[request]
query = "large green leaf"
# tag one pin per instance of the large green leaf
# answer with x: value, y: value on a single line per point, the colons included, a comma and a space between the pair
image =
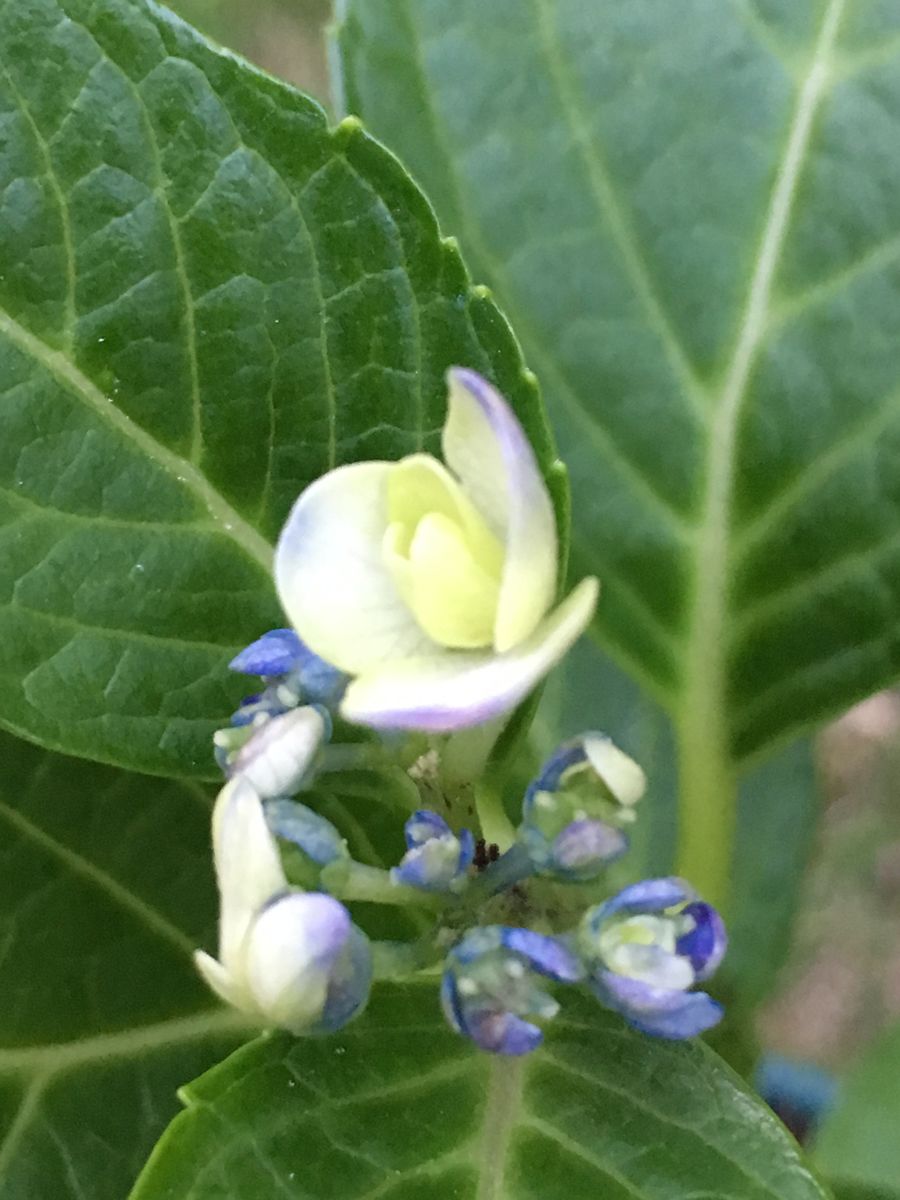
x: 398, y: 1106
x: 858, y: 1143
x: 207, y: 298
x: 105, y: 889
x: 691, y: 212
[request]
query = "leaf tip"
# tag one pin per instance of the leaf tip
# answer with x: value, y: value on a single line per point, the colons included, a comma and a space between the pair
x: 347, y: 129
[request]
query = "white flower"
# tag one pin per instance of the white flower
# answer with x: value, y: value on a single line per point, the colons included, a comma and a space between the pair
x: 431, y: 585
x: 288, y: 959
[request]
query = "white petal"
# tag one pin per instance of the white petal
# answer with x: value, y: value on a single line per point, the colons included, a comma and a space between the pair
x: 461, y: 689
x: 219, y: 980
x: 621, y: 774
x: 278, y: 756
x: 248, y: 868
x: 332, y: 576
x: 486, y: 447
x: 290, y: 953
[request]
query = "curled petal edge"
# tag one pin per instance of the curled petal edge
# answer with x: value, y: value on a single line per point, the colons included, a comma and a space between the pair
x: 455, y: 691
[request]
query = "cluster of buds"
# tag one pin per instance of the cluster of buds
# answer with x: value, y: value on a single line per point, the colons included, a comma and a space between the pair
x: 291, y: 956
x: 421, y: 598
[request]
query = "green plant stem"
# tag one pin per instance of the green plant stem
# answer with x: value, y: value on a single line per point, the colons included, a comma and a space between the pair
x: 399, y: 960
x: 357, y: 881
x: 496, y: 827
x: 707, y: 816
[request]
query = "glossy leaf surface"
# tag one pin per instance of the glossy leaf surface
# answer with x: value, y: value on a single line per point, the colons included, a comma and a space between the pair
x: 207, y: 299
x: 398, y: 1106
x: 105, y: 890
x: 691, y: 214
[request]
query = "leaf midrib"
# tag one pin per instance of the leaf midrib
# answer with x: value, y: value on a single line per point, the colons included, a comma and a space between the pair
x: 227, y: 519
x: 51, y: 1059
x: 706, y: 764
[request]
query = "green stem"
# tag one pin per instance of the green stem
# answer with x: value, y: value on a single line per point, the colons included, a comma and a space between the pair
x: 399, y: 960
x: 496, y: 827
x: 707, y: 814
x: 357, y: 881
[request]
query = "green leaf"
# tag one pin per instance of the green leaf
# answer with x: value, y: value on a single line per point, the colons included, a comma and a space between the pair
x: 398, y: 1106
x: 208, y: 298
x: 850, y: 1191
x: 858, y: 1143
x: 105, y: 889
x: 691, y: 213
x: 778, y: 809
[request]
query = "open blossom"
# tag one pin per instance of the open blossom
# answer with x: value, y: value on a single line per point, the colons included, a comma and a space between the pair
x: 288, y: 959
x: 646, y: 947
x: 432, y: 585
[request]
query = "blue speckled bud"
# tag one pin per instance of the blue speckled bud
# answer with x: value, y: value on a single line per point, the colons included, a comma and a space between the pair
x: 437, y: 859
x: 646, y: 948
x: 491, y: 983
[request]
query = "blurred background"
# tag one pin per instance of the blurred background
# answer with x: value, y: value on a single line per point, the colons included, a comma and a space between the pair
x: 841, y: 984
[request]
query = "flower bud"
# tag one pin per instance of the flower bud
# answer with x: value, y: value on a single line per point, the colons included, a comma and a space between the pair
x: 436, y: 859
x: 289, y: 959
x: 279, y: 756
x: 316, y: 837
x: 491, y: 983
x: 646, y: 947
x: 574, y: 811
x: 293, y: 673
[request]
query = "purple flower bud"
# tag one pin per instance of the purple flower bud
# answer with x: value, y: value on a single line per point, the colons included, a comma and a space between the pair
x: 574, y: 811
x: 311, y: 833
x: 490, y: 985
x: 437, y: 859
x: 291, y: 669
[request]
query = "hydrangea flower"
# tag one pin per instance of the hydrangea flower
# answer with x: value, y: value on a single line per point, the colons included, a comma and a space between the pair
x: 491, y: 983
x: 431, y: 584
x: 574, y: 811
x: 646, y: 947
x: 275, y: 755
x: 436, y: 859
x: 291, y: 672
x: 289, y: 959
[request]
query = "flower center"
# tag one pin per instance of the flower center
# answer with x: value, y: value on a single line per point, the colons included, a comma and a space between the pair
x: 445, y: 561
x: 644, y: 948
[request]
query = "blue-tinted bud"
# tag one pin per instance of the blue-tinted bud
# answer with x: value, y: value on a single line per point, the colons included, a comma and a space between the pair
x: 646, y: 948
x: 437, y: 859
x: 491, y: 983
x: 291, y: 668
x: 288, y: 959
x: 349, y: 983
x: 314, y: 835
x: 575, y: 810
x: 277, y: 652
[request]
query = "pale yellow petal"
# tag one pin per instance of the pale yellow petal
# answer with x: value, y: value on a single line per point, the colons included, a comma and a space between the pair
x: 332, y: 576
x: 485, y: 446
